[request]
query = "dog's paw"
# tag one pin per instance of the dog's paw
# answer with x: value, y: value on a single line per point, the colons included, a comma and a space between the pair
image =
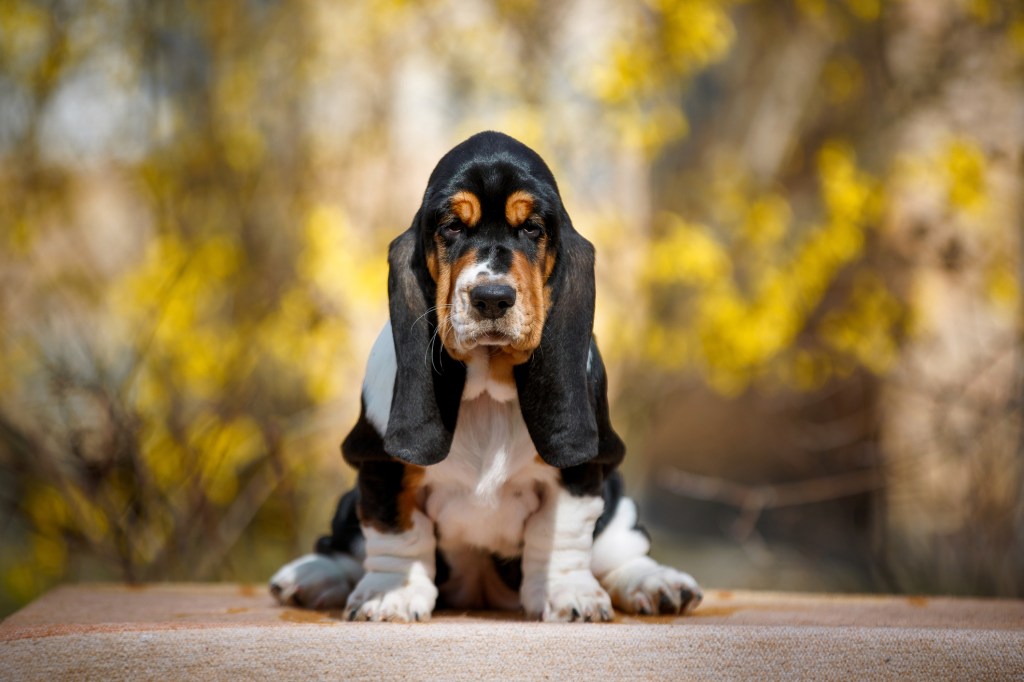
x: 575, y: 596
x: 645, y: 587
x: 316, y: 581
x: 392, y: 597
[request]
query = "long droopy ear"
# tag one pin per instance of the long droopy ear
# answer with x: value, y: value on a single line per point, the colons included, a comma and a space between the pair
x: 556, y: 399
x: 428, y: 382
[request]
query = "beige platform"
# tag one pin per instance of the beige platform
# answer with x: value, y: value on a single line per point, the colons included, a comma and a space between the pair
x: 107, y: 632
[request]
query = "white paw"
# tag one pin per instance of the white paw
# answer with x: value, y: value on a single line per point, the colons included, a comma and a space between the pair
x: 316, y: 581
x: 392, y: 597
x: 644, y: 586
x: 569, y: 597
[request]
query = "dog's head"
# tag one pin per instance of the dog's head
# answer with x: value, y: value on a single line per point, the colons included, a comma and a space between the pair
x: 492, y: 260
x: 490, y: 226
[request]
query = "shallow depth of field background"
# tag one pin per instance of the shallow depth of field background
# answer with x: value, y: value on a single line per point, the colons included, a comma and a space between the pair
x: 808, y: 222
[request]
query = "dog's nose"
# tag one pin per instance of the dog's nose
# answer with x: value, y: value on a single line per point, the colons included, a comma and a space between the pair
x: 492, y: 300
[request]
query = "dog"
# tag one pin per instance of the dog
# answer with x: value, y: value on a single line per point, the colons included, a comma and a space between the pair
x: 485, y: 454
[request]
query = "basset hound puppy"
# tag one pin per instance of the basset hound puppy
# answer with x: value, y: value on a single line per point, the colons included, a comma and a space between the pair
x: 486, y: 459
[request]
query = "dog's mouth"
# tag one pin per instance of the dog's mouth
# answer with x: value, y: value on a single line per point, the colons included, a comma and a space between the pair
x: 493, y: 339
x: 490, y: 339
x: 469, y: 329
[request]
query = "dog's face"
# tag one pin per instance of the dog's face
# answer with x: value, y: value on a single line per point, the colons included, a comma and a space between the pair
x: 492, y: 261
x: 489, y: 236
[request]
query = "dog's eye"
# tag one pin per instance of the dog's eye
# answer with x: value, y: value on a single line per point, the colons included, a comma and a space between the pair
x: 452, y: 229
x: 530, y: 230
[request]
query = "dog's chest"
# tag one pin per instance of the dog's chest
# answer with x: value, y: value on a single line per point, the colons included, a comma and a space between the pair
x: 482, y: 494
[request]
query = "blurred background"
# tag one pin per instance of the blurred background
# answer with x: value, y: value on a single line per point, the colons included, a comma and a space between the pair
x: 808, y: 222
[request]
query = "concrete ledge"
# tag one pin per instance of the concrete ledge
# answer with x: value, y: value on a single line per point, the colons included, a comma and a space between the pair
x: 187, y: 631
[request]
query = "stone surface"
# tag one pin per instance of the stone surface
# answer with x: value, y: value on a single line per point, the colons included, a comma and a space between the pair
x: 188, y: 631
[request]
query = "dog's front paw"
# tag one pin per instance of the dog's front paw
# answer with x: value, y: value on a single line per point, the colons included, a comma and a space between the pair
x: 643, y: 586
x: 570, y: 597
x: 316, y: 581
x: 392, y: 597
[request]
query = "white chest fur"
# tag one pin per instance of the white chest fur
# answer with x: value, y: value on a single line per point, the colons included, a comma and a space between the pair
x: 491, y: 482
x: 482, y: 494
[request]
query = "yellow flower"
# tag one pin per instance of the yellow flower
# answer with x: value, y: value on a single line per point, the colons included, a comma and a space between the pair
x: 964, y: 166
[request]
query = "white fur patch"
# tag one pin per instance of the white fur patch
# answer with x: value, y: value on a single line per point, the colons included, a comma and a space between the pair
x: 478, y: 273
x: 478, y: 375
x: 316, y: 581
x: 467, y: 327
x: 620, y: 541
x: 399, y: 580
x: 641, y: 585
x: 379, y: 382
x: 635, y: 582
x: 479, y: 380
x: 483, y: 492
x: 557, y: 582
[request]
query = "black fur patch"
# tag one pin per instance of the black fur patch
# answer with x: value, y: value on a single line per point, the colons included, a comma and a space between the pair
x: 555, y: 395
x: 422, y: 421
x: 380, y: 484
x: 510, y: 570
x: 363, y: 443
x: 345, y: 530
x: 612, y: 491
x: 500, y: 259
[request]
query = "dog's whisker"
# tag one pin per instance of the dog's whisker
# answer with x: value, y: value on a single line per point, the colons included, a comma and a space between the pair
x: 440, y: 332
x: 429, y: 310
x: 434, y: 338
x: 428, y: 353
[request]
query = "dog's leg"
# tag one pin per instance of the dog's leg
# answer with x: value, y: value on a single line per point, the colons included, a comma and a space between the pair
x: 399, y: 580
x: 324, y: 579
x: 316, y: 581
x: 558, y: 540
x: 400, y: 547
x: 637, y: 583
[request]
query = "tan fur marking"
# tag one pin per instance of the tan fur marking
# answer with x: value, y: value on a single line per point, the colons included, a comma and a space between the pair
x: 530, y: 285
x: 513, y: 356
x: 518, y: 207
x: 549, y: 266
x: 412, y: 480
x: 549, y: 261
x: 466, y: 206
x: 408, y: 500
x: 432, y: 264
x: 440, y: 272
x: 446, y: 278
x: 501, y: 364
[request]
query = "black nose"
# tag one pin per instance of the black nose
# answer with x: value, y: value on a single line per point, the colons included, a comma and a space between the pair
x: 492, y: 300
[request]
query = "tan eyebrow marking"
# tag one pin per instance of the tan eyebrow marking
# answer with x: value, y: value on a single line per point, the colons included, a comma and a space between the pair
x: 518, y: 207
x: 466, y: 206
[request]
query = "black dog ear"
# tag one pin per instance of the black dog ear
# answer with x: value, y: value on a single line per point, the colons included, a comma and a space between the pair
x: 610, y: 448
x: 428, y: 382
x: 557, y: 400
